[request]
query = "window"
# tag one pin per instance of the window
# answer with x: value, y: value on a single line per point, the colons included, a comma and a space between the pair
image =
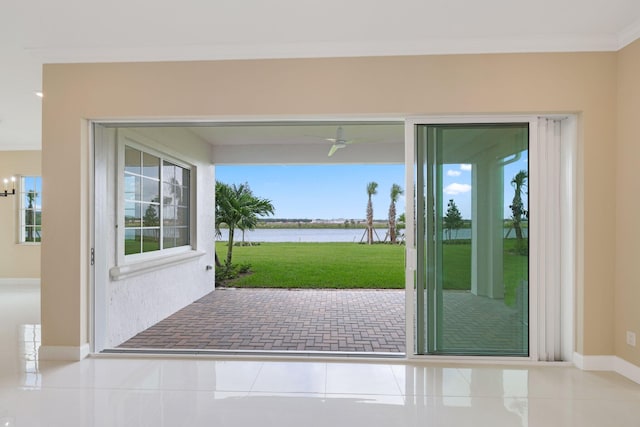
x: 156, y: 202
x: 30, y: 209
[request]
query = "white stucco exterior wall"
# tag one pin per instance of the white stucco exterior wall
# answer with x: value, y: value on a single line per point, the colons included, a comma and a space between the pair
x: 132, y: 304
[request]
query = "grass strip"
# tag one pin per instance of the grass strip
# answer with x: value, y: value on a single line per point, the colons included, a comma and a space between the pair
x: 358, y: 266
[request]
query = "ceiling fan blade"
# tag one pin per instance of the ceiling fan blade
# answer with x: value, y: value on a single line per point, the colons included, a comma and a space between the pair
x: 333, y: 149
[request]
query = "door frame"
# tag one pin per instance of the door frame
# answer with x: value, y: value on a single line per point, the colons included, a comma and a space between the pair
x: 566, y: 240
x: 555, y: 176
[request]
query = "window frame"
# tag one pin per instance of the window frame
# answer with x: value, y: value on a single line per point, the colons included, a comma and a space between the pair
x: 121, y: 258
x: 22, y: 209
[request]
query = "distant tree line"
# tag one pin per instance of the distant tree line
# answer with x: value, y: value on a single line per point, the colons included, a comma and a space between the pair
x: 305, y: 220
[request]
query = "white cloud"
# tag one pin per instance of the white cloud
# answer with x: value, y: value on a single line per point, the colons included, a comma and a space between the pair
x: 456, y: 188
x: 451, y: 172
x: 465, y: 167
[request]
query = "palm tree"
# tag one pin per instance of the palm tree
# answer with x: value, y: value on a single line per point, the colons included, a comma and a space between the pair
x: 237, y: 207
x: 401, y: 225
x: 30, y: 215
x: 519, y: 182
x: 371, y: 190
x: 396, y: 191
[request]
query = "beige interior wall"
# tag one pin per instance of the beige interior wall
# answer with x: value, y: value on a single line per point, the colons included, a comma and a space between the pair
x: 17, y: 261
x: 627, y: 212
x: 584, y: 83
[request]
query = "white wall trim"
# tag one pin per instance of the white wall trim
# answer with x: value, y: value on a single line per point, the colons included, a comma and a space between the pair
x: 56, y: 352
x: 578, y: 360
x: 607, y: 363
x: 593, y: 363
x: 627, y: 369
x: 120, y: 272
x: 629, y: 34
x: 441, y: 46
x: 20, y: 281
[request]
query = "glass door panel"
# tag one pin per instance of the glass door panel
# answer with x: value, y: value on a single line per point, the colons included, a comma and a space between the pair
x: 472, y: 239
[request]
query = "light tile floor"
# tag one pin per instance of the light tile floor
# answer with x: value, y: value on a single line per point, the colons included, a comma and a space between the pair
x: 162, y: 392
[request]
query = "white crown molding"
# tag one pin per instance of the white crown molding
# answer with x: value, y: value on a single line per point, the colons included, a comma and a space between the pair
x: 629, y: 34
x: 445, y: 46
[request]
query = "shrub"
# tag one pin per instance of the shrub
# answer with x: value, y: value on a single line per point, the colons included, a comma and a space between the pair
x: 230, y: 272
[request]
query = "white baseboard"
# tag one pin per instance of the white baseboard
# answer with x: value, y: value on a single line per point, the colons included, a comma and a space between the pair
x: 607, y: 363
x: 593, y: 363
x: 627, y: 369
x: 20, y: 281
x: 70, y: 353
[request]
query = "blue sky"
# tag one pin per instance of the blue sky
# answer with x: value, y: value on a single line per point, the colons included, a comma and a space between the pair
x: 457, y: 185
x: 319, y: 191
x: 339, y: 191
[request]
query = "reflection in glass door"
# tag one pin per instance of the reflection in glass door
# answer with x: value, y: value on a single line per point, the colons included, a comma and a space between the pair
x: 472, y: 239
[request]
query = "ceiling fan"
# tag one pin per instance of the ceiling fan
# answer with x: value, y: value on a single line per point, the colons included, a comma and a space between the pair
x: 339, y: 141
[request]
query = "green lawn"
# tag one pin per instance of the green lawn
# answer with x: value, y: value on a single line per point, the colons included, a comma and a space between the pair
x: 320, y: 265
x: 457, y: 268
x: 350, y: 265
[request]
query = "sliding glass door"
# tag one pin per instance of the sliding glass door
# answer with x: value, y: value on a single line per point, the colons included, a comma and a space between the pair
x: 471, y: 216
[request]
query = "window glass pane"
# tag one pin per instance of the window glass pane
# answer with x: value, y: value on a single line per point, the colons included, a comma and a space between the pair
x: 38, y: 233
x: 132, y: 161
x: 132, y: 187
x: 185, y: 177
x: 169, y: 240
x: 38, y: 186
x: 168, y: 172
x: 168, y: 194
x: 170, y: 214
x: 29, y: 234
x: 150, y: 240
x: 150, y: 166
x: 130, y: 217
x: 180, y: 195
x: 151, y: 215
x: 132, y: 241
x: 183, y: 217
x: 183, y: 237
x: 132, y: 214
x: 150, y: 190
x: 147, y: 202
x: 30, y: 208
x: 472, y: 284
x: 30, y: 199
x: 29, y: 184
x: 185, y: 197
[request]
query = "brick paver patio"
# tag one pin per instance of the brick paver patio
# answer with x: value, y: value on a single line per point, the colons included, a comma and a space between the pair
x: 276, y: 319
x: 362, y: 321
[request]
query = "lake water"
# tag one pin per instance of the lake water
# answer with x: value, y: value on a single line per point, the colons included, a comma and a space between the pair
x: 302, y: 235
x: 326, y: 234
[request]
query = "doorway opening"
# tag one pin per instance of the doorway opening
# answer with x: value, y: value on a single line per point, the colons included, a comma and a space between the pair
x: 342, y: 312
x: 174, y: 229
